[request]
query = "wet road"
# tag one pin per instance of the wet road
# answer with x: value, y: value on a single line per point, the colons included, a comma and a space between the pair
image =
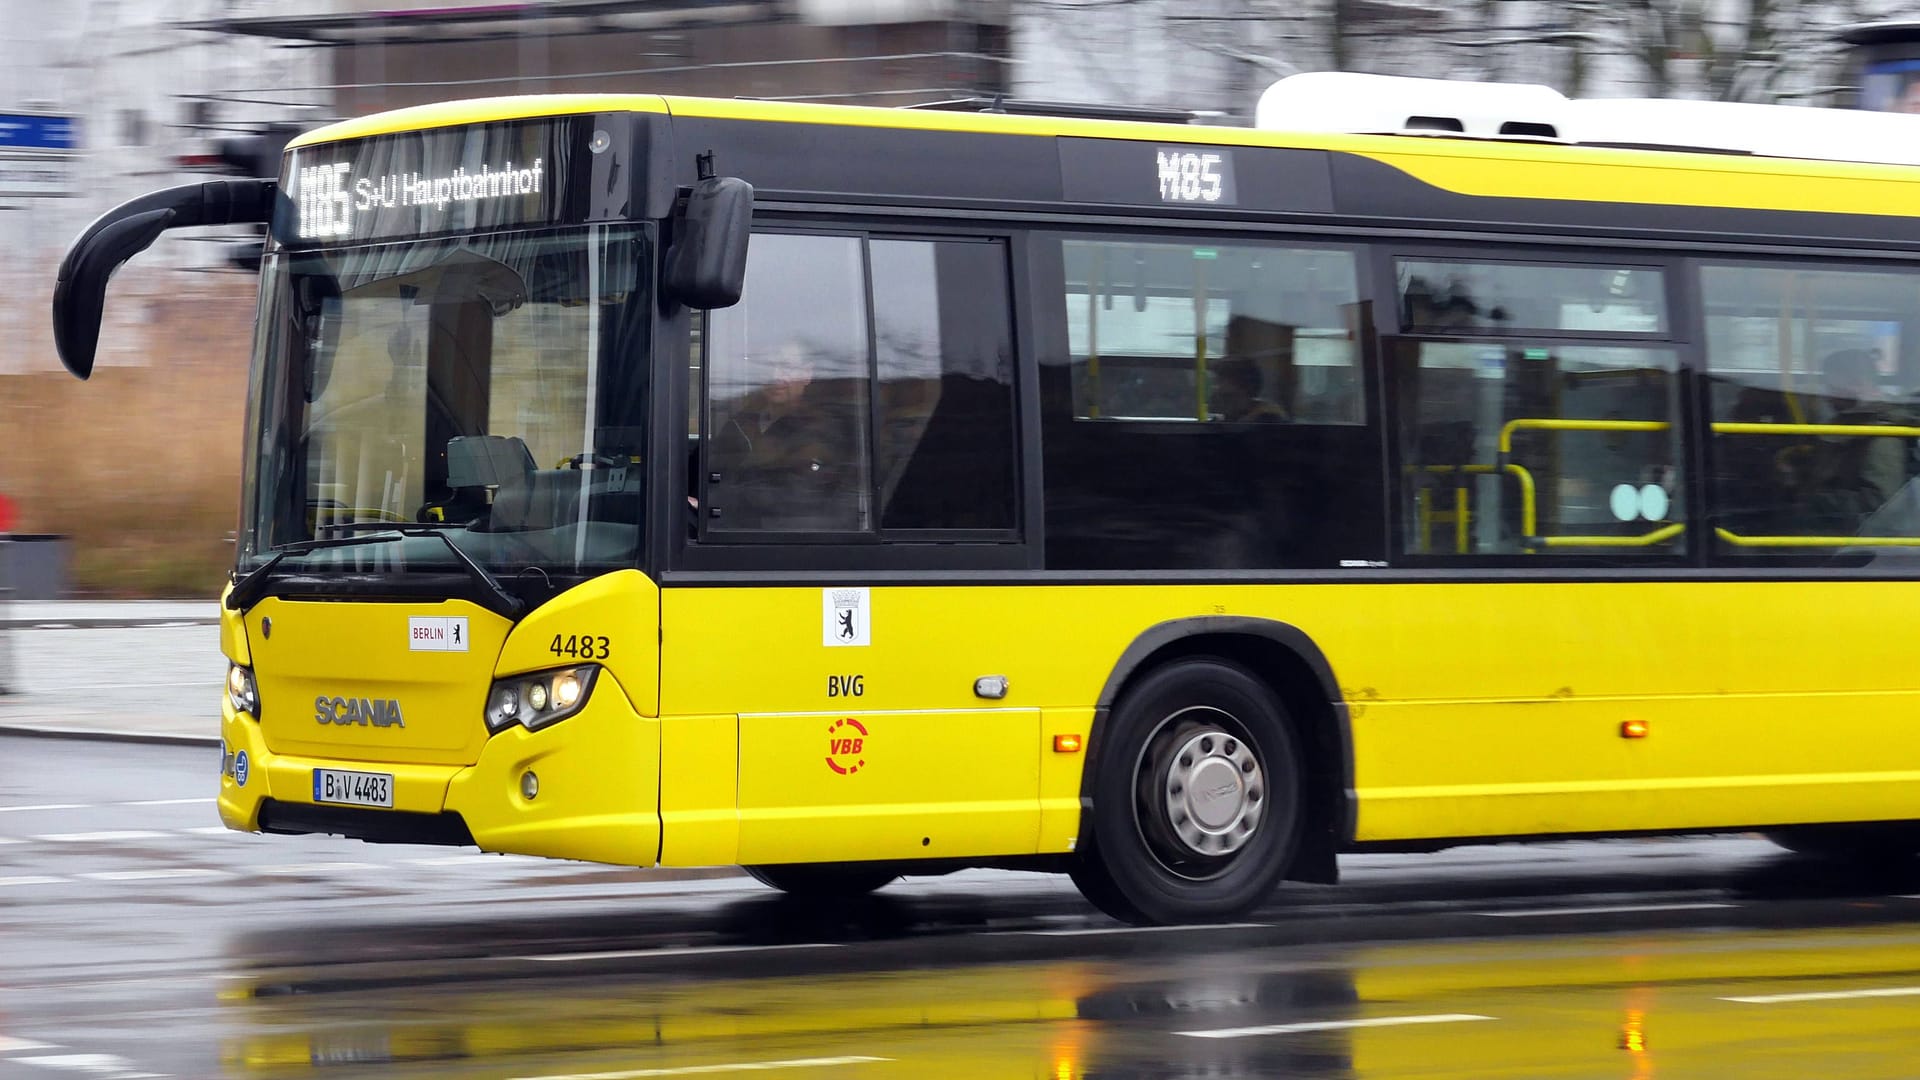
x: 138, y: 939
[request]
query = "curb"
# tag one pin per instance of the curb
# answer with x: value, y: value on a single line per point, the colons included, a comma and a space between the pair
x: 105, y: 735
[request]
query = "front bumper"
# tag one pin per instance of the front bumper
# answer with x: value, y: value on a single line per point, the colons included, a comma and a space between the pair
x: 599, y: 778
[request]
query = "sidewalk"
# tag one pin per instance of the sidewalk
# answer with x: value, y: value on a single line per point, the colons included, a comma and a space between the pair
x: 32, y: 614
x: 136, y: 670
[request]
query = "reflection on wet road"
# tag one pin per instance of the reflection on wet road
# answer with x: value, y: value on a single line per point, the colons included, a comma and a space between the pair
x: 137, y: 942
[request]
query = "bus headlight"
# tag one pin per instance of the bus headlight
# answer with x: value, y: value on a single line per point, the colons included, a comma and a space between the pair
x: 241, y: 691
x: 539, y: 698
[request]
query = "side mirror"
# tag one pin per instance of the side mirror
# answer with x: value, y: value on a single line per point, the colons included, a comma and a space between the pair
x: 707, y: 265
x: 80, y: 289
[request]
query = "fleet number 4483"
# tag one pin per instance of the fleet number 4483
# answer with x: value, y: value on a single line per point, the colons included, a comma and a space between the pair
x: 582, y: 646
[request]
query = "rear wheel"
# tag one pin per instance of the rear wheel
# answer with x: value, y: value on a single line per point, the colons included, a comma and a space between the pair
x: 822, y: 881
x: 1197, y: 803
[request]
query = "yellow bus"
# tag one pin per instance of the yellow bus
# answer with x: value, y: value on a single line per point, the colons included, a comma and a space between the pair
x: 845, y: 493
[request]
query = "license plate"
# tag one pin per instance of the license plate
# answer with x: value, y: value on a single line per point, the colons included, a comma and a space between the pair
x: 353, y: 788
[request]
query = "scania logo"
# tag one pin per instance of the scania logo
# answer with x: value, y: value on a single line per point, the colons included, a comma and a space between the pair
x: 362, y: 711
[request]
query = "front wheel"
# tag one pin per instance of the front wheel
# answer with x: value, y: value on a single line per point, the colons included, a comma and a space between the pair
x: 822, y: 881
x: 1197, y: 799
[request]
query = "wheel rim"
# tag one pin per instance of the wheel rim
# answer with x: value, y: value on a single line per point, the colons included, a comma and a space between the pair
x: 1200, y: 791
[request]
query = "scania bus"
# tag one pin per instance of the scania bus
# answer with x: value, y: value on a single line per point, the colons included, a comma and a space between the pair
x: 845, y: 493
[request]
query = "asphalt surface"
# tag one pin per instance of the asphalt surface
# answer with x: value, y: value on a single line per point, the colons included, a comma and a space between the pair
x: 138, y: 939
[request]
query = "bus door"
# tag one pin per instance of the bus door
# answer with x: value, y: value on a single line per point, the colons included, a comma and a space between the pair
x: 867, y: 724
x: 856, y: 419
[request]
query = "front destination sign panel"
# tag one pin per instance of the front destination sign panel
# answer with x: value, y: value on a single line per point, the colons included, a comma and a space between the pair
x: 391, y: 187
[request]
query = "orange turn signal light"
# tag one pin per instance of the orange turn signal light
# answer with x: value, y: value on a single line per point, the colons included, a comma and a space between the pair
x: 1066, y: 744
x: 1633, y: 729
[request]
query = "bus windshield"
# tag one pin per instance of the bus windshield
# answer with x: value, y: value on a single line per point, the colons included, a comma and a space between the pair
x: 491, y: 388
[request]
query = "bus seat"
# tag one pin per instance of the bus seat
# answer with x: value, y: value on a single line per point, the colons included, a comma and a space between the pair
x: 490, y: 461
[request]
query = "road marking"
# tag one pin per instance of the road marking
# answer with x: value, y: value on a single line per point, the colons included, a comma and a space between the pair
x: 43, y: 806
x: 31, y: 879
x: 1137, y: 929
x: 168, y: 802
x: 14, y: 1046
x: 1618, y: 909
x: 692, y: 950
x: 214, y: 830
x: 109, y: 1065
x: 100, y: 837
x: 11, y: 840
x: 699, y: 1070
x: 1828, y: 995
x: 155, y: 875
x: 1332, y: 1025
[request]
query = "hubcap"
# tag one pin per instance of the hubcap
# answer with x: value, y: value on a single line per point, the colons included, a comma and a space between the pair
x: 1213, y: 792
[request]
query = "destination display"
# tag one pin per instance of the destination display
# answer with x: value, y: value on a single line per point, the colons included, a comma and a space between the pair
x: 1195, y: 176
x: 1189, y: 175
x: 482, y: 177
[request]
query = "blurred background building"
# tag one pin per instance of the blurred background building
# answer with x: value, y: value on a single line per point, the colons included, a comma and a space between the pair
x: 112, y: 97
x: 103, y: 99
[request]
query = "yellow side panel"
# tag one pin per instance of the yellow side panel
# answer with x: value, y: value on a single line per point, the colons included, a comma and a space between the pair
x: 1486, y: 709
x: 1496, y: 709
x: 865, y: 785
x: 1060, y: 777
x: 700, y: 791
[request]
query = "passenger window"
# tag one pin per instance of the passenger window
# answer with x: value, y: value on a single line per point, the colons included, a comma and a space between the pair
x: 816, y: 424
x: 787, y: 379
x: 1192, y: 397
x: 1509, y: 449
x: 1815, y: 422
x: 943, y: 453
x: 1219, y: 334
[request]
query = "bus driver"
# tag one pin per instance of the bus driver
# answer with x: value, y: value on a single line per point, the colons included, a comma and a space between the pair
x: 786, y: 459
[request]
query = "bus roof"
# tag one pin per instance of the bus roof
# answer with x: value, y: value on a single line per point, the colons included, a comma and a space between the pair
x: 1334, y: 101
x: 1602, y: 163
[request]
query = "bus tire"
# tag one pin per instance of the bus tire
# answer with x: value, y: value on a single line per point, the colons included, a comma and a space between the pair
x: 822, y: 881
x: 1197, y: 798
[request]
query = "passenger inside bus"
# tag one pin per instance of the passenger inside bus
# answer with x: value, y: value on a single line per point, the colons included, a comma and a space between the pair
x: 1849, y: 477
x: 1236, y: 394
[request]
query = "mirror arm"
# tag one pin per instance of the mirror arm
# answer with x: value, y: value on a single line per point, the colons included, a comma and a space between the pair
x: 80, y: 288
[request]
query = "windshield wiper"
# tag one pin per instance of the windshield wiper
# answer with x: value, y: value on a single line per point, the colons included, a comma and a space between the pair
x: 411, y: 528
x: 249, y: 590
x: 509, y: 604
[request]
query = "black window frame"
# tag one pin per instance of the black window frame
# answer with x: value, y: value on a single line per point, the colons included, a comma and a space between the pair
x: 1682, y: 337
x: 1785, y: 563
x: 1046, y: 294
x: 874, y: 549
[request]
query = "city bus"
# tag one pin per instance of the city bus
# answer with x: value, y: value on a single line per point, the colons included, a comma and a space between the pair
x: 847, y: 493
